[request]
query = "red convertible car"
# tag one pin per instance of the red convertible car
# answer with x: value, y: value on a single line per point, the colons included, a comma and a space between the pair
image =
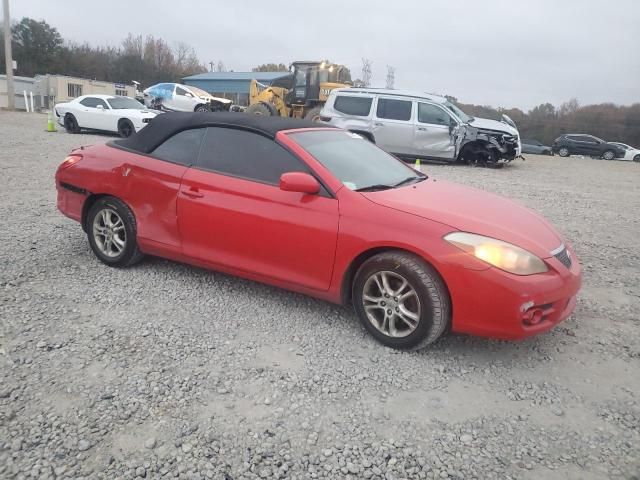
x: 323, y: 212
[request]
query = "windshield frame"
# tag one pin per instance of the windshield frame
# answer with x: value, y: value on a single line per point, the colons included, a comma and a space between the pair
x: 117, y: 97
x: 457, y: 111
x: 198, y: 92
x: 333, y: 178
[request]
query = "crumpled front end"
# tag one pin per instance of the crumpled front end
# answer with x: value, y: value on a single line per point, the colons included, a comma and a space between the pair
x: 488, y: 147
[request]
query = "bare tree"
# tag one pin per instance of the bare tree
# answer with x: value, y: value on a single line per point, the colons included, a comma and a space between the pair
x: 391, y: 76
x: 366, y: 72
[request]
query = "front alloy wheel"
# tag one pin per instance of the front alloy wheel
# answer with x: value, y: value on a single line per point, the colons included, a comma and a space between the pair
x: 563, y: 152
x: 401, y: 300
x: 608, y: 155
x: 391, y: 304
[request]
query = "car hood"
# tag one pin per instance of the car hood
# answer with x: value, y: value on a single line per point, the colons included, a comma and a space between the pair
x: 475, y: 211
x: 488, y: 124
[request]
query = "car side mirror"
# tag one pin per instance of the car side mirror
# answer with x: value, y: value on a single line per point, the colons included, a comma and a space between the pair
x: 188, y: 95
x: 299, y: 182
x: 99, y: 107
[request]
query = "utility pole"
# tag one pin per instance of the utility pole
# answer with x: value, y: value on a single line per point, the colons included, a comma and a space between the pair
x: 211, y: 65
x: 11, y: 97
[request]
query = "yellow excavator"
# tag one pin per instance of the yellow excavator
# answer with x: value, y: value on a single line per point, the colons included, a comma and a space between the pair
x: 299, y: 94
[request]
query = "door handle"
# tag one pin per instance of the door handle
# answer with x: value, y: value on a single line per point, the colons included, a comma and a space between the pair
x: 422, y: 129
x: 192, y: 193
x: 379, y: 124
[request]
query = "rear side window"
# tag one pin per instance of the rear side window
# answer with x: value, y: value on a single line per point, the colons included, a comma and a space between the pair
x: 93, y: 102
x: 243, y: 154
x: 360, y: 106
x: 432, y: 114
x: 181, y: 148
x: 393, y: 109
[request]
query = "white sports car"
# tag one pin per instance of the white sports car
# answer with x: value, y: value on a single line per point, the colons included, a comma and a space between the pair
x: 630, y: 153
x: 108, y: 113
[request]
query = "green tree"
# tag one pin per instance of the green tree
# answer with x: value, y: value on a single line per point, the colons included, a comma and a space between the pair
x: 36, y: 46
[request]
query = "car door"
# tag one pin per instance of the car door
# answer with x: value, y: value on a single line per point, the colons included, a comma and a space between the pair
x: 182, y: 99
x: 393, y: 128
x: 152, y: 185
x: 88, y: 115
x: 433, y: 132
x: 232, y: 212
x: 104, y: 117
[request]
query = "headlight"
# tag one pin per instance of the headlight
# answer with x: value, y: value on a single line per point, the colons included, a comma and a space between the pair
x: 500, y: 254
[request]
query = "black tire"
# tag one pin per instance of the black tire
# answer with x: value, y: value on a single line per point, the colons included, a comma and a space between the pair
x: 636, y: 158
x: 71, y: 124
x: 130, y: 253
x: 262, y: 108
x: 313, y: 114
x: 434, y: 303
x: 564, y: 152
x: 548, y: 153
x: 125, y: 128
x: 609, y: 155
x: 202, y: 108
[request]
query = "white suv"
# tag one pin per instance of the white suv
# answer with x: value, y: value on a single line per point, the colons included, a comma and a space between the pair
x: 416, y: 125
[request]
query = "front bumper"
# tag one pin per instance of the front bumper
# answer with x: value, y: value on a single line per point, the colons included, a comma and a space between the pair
x: 496, y: 304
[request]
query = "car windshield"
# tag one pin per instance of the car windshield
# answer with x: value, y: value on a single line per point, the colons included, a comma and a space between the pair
x: 119, y: 103
x: 199, y: 92
x: 356, y: 162
x: 459, y: 113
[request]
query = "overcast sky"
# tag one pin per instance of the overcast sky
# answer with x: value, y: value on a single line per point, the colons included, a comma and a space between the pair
x: 497, y: 52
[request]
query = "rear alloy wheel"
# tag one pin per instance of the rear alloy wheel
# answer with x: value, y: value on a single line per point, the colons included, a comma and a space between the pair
x: 563, y: 152
x: 609, y: 155
x: 401, y: 300
x: 71, y: 124
x: 125, y: 128
x: 636, y: 158
x: 111, y: 229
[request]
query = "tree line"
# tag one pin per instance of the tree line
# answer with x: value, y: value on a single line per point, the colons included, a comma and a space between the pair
x: 38, y: 48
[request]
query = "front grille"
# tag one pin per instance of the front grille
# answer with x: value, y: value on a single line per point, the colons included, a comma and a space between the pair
x: 564, y: 257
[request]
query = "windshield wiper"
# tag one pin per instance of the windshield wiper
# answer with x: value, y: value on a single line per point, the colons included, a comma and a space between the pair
x: 374, y: 188
x: 409, y: 180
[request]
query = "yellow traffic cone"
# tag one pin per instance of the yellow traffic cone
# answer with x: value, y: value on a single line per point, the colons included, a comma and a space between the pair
x: 417, y: 165
x: 51, y: 125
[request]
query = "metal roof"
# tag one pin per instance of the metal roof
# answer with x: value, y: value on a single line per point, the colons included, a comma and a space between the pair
x: 265, y: 76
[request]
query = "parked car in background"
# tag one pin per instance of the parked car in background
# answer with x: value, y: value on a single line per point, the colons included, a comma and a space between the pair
x: 175, y: 97
x: 324, y: 212
x: 581, y: 144
x: 417, y: 125
x: 107, y: 113
x: 535, y: 147
x: 630, y: 153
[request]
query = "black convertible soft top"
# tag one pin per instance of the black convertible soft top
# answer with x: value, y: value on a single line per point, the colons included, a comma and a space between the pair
x: 165, y: 125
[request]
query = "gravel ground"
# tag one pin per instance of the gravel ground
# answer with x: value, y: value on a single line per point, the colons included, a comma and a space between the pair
x: 166, y: 370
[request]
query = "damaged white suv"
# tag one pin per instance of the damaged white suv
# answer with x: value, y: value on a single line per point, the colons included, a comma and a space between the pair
x: 416, y: 125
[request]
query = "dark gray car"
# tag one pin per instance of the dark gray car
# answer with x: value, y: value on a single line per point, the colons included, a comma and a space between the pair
x: 535, y: 147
